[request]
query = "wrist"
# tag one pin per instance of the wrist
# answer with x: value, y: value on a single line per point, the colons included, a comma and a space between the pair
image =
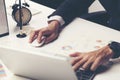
x: 115, y: 47
x: 57, y: 18
x: 54, y: 23
x: 54, y: 26
x: 110, y: 51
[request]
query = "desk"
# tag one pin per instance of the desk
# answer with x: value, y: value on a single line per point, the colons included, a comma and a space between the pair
x: 84, y: 35
x: 39, y: 19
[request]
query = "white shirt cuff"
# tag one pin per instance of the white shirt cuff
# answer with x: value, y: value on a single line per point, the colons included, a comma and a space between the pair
x: 58, y: 18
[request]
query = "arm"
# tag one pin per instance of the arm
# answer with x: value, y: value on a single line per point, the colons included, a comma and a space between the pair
x: 51, y: 32
x: 96, y: 58
x: 115, y: 47
x: 67, y: 11
x: 71, y: 9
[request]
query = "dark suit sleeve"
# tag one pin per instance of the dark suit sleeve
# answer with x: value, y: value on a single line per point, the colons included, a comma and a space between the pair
x: 70, y: 9
x: 115, y: 46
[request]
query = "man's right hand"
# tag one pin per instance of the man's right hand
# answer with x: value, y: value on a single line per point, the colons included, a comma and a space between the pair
x: 51, y: 32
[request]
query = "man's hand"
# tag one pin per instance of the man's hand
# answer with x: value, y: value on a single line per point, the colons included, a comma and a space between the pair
x: 50, y: 32
x: 91, y: 59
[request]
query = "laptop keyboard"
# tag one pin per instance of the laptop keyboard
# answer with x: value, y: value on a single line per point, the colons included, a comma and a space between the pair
x: 85, y: 74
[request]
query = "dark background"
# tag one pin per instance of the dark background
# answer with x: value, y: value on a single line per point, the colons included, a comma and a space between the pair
x: 50, y: 3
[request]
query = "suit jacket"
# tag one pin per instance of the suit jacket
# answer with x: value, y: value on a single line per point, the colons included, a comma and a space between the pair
x: 113, y: 9
x: 73, y: 8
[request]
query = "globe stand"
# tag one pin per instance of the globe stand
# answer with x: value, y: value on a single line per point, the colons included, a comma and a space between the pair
x: 21, y: 33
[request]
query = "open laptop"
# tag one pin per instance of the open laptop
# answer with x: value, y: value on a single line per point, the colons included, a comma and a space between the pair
x: 3, y: 19
x: 42, y: 66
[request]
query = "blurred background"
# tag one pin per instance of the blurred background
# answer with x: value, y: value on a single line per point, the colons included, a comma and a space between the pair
x: 50, y: 3
x: 96, y: 6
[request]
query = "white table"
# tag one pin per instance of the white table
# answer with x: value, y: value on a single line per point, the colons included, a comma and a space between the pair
x: 39, y: 19
x: 81, y: 35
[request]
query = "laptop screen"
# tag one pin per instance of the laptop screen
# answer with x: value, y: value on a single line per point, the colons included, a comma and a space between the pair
x: 3, y: 19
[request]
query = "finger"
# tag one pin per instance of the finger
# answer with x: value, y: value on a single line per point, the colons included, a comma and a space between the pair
x: 32, y: 36
x: 75, y: 54
x: 87, y: 64
x: 42, y: 32
x: 95, y: 64
x: 75, y: 60
x: 39, y: 36
x: 78, y: 64
x: 51, y: 38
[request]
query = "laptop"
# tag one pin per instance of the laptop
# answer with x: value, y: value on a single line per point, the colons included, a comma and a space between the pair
x: 34, y: 66
x: 42, y: 66
x: 3, y: 19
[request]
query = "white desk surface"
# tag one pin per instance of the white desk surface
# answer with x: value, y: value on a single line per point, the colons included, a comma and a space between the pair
x: 81, y: 35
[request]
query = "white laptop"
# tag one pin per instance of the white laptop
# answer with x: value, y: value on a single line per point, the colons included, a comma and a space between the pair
x: 3, y: 19
x: 40, y: 67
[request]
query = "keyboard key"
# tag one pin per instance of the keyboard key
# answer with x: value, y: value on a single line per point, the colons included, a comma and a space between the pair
x: 85, y: 74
